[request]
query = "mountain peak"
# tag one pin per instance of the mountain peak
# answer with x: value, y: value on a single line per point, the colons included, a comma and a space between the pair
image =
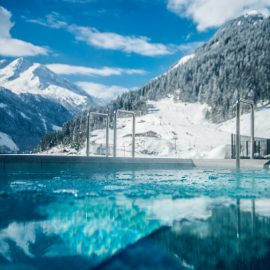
x: 20, y: 64
x: 11, y: 71
x: 22, y: 76
x: 256, y: 13
x: 250, y: 17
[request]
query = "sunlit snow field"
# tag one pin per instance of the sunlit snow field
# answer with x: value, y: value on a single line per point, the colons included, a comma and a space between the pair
x: 172, y: 129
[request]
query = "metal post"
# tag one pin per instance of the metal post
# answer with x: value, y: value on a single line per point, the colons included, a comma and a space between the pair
x: 133, y: 135
x: 232, y: 146
x: 88, y: 135
x: 237, y: 146
x: 238, y: 142
x: 114, y: 133
x: 252, y: 133
x: 90, y: 116
x: 251, y: 104
x: 107, y: 136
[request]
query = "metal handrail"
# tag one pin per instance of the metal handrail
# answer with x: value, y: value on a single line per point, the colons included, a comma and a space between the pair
x: 89, y: 117
x: 116, y: 113
x: 238, y: 104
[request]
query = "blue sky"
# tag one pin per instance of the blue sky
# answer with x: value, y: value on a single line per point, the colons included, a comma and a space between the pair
x: 112, y: 44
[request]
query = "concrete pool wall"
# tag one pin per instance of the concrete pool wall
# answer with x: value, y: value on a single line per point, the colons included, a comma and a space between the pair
x: 126, y: 163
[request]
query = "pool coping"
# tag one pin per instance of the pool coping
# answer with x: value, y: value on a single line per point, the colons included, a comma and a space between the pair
x: 255, y: 164
x: 247, y: 164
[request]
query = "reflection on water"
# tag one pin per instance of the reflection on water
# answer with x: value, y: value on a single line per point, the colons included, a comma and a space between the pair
x: 90, y: 229
x: 231, y: 237
x: 169, y: 219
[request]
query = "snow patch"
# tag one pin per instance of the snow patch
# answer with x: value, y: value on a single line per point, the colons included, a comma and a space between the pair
x: 25, y: 116
x: 253, y: 13
x: 43, y: 123
x: 183, y: 60
x: 218, y: 153
x: 7, y: 142
x: 262, y: 129
x: 56, y: 128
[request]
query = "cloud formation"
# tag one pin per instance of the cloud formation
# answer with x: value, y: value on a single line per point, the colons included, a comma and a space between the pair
x: 101, y: 91
x: 88, y: 71
x: 14, y: 47
x: 113, y: 41
x: 213, y: 13
x: 108, y: 40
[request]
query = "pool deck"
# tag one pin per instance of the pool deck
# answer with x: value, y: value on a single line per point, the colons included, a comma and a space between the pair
x: 159, y: 163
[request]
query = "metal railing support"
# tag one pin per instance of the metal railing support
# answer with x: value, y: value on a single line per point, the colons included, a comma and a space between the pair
x: 238, y: 142
x: 88, y: 135
x: 116, y: 113
x: 90, y: 116
x: 114, y: 133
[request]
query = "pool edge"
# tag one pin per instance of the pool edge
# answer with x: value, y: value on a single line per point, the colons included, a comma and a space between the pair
x: 255, y: 164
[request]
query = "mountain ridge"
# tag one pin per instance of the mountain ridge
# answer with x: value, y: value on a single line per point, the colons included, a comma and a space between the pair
x: 23, y: 76
x: 35, y: 101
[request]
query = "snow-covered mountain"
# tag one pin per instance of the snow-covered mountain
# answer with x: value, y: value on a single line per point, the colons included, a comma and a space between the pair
x: 235, y: 60
x: 33, y: 102
x: 21, y: 76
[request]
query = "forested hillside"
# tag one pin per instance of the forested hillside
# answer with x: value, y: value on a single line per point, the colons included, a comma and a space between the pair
x: 236, y: 58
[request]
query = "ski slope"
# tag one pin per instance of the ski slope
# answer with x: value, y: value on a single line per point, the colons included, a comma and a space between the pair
x: 175, y: 130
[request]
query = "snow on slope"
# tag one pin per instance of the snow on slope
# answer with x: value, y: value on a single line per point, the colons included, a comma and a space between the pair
x: 260, y: 13
x: 22, y: 76
x: 7, y: 142
x: 183, y: 60
x: 176, y: 130
x: 171, y: 130
x: 262, y: 128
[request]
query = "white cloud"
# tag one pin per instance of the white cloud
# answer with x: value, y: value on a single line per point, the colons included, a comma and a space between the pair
x: 113, y: 41
x: 52, y: 20
x: 101, y: 91
x: 5, y: 23
x: 14, y: 47
x: 107, y: 40
x: 80, y: 70
x: 213, y: 13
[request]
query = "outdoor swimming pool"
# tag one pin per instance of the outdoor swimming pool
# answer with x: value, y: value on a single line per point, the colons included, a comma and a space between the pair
x: 74, y: 217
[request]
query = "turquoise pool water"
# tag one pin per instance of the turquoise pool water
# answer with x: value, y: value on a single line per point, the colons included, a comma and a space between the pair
x: 78, y: 218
